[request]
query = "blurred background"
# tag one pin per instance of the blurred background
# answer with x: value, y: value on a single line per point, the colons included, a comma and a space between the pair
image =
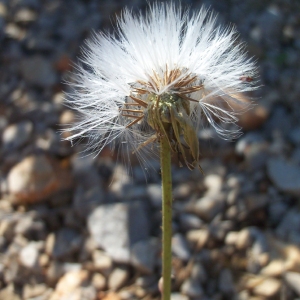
x: 77, y: 227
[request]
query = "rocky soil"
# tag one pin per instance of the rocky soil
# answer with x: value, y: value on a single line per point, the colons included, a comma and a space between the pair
x: 81, y: 228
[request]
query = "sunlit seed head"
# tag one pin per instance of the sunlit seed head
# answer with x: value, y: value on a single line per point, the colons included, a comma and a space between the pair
x: 166, y: 73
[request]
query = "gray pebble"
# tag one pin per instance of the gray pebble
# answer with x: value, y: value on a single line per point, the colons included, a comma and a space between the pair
x: 116, y: 227
x: 180, y: 247
x: 207, y: 207
x: 189, y: 221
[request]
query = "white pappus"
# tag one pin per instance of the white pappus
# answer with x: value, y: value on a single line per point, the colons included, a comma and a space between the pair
x: 164, y: 73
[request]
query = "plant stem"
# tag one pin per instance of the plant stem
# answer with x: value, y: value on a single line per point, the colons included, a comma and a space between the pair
x: 166, y: 177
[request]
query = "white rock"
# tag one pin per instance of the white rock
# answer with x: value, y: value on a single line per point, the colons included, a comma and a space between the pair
x: 213, y: 182
x: 29, y: 255
x: 118, y: 278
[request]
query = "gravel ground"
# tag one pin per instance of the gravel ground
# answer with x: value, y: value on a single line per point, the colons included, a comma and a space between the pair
x: 70, y: 231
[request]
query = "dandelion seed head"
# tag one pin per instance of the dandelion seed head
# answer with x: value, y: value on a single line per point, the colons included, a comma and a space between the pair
x: 161, y: 74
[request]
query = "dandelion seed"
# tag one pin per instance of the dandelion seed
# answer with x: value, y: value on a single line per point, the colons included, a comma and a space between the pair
x: 161, y: 74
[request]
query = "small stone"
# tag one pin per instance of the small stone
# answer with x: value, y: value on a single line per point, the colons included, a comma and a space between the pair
x: 25, y: 15
x: 99, y: 281
x: 116, y: 227
x: 231, y: 238
x: 182, y: 191
x: 32, y: 180
x: 198, y: 237
x: 207, y: 207
x: 43, y: 260
x: 140, y: 293
x: 144, y: 255
x: 241, y: 240
x: 178, y: 296
x: 244, y: 239
x: 13, y: 31
x: 29, y: 255
x: 67, y: 117
x: 192, y: 288
x: 118, y: 278
x: 293, y: 280
x: 68, y: 284
x: 284, y: 175
x: 16, y: 135
x: 274, y: 268
x: 154, y: 192
x: 213, y: 182
x: 43, y: 75
x: 189, y: 221
x: 180, y: 247
x: 269, y: 287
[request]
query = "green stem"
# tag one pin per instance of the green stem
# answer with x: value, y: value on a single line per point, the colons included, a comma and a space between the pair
x: 165, y: 159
